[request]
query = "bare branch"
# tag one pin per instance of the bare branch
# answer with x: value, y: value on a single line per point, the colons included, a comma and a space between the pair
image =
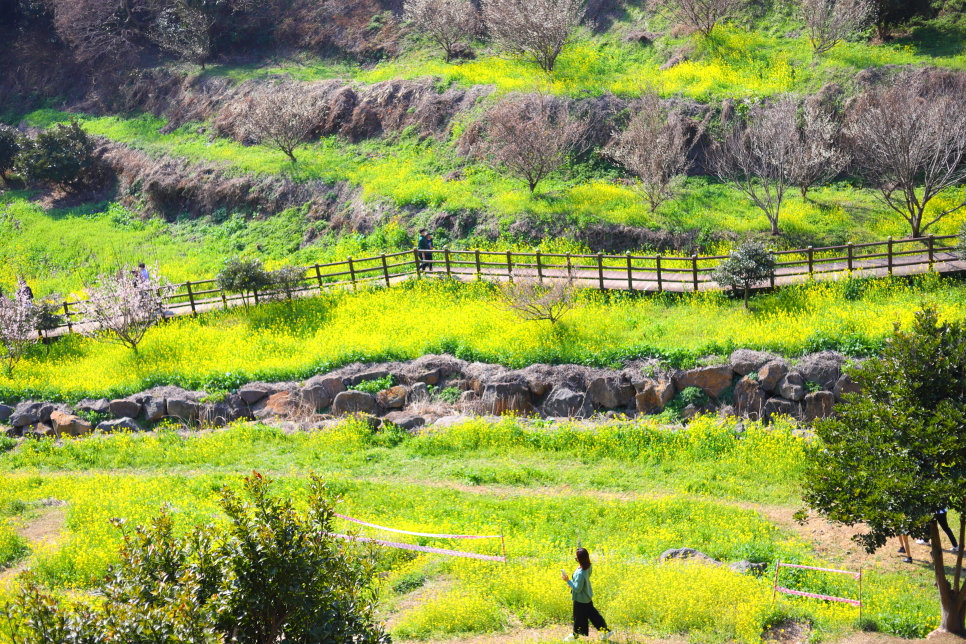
x: 820, y: 156
x: 283, y: 116
x: 830, y: 21
x: 531, y: 136
x: 656, y: 148
x: 532, y: 300
x: 534, y: 29
x: 449, y: 23
x: 909, y: 143
x: 757, y: 156
x: 699, y: 15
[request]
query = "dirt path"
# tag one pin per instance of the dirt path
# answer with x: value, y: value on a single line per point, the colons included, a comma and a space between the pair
x: 41, y: 531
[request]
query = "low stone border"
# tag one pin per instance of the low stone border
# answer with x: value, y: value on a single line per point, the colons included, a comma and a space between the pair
x: 752, y: 384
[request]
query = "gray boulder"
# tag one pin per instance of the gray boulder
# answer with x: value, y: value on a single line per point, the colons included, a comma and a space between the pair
x: 125, y: 408
x: 31, y: 413
x: 771, y: 374
x: 564, y: 403
x: 406, y: 421
x: 844, y: 386
x: 154, y: 409
x: 823, y: 368
x: 214, y: 414
x: 99, y: 406
x: 237, y: 408
x: 354, y: 402
x: 393, y: 398
x: 792, y: 387
x: 419, y: 391
x: 749, y: 398
x: 610, y: 392
x: 6, y: 412
x: 501, y: 398
x: 713, y: 381
x: 744, y: 567
x: 744, y: 361
x: 320, y: 391
x: 118, y: 425
x: 818, y: 405
x: 779, y: 406
x: 686, y: 553
x: 184, y: 409
x: 255, y: 391
x: 430, y: 377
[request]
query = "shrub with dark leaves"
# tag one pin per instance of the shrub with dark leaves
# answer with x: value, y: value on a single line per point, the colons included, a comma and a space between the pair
x: 64, y: 156
x: 745, y: 268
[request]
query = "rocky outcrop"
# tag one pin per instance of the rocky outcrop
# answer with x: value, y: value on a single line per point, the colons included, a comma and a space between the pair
x: 713, y: 381
x: 354, y: 402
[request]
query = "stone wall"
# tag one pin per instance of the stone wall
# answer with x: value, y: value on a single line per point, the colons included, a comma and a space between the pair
x: 751, y: 384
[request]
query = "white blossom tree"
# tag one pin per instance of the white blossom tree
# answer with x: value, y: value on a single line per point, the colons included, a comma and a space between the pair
x: 121, y: 308
x: 283, y: 116
x: 18, y: 318
x: 830, y: 21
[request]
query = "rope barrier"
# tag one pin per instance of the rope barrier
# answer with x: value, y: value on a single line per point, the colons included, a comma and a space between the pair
x: 407, y: 546
x: 417, y: 534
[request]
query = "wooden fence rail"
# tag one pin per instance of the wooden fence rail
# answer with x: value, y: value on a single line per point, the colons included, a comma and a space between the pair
x: 650, y: 273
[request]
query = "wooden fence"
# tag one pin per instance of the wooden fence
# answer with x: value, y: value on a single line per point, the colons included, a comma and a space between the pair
x: 650, y: 273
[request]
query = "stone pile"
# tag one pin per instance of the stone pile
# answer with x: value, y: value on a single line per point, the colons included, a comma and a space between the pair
x: 749, y: 383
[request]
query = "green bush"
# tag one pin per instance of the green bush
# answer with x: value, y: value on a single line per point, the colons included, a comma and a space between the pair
x: 272, y: 574
x: 64, y: 156
x: 375, y: 386
x: 9, y: 149
x: 243, y: 277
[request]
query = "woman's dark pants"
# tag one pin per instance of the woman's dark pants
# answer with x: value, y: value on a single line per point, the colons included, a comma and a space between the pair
x: 584, y: 613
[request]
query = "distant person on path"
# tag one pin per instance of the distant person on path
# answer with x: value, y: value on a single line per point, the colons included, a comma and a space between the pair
x: 425, y: 245
x: 143, y: 273
x: 583, y: 595
x: 24, y: 292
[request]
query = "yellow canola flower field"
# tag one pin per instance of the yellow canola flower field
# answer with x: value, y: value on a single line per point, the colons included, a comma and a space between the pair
x: 281, y: 341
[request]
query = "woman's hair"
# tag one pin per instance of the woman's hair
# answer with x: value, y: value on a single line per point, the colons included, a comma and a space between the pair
x: 583, y: 558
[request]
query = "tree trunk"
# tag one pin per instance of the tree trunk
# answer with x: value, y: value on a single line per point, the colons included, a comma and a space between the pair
x: 953, y: 616
x: 774, y: 227
x: 746, y: 296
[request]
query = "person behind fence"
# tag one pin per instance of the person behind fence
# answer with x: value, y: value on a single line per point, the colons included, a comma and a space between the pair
x: 583, y: 595
x: 24, y: 292
x: 143, y: 273
x: 425, y: 244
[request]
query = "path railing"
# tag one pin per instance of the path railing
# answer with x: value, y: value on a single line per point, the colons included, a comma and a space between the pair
x: 648, y: 273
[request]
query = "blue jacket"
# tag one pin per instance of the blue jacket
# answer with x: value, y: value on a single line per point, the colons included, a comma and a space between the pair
x: 580, y: 588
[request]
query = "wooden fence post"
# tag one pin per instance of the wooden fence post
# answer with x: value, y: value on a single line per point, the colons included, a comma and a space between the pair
x: 570, y: 268
x: 600, y: 270
x: 449, y: 271
x: 889, y: 253
x: 318, y: 277
x: 539, y: 267
x: 694, y: 271
x: 255, y: 293
x: 70, y: 327
x: 352, y: 273
x: 851, y: 252
x: 416, y: 260
x: 932, y: 247
x: 191, y: 299
x: 771, y: 252
x: 224, y: 301
x: 630, y: 273
x: 660, y: 283
x: 479, y: 268
x: 509, y: 266
x: 811, y: 261
x: 385, y: 269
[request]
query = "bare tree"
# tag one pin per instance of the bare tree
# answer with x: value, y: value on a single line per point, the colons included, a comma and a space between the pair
x: 909, y: 143
x: 184, y: 29
x: 700, y: 15
x: 283, y: 116
x: 655, y: 148
x: 18, y: 318
x: 121, y: 308
x: 449, y: 23
x: 534, y: 29
x: 532, y: 300
x: 820, y: 156
x: 757, y: 155
x: 105, y: 32
x: 531, y: 136
x: 830, y: 21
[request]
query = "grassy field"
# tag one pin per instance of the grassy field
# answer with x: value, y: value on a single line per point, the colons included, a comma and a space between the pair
x: 280, y: 341
x: 626, y: 491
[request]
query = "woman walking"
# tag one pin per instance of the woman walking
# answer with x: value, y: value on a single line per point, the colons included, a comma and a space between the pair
x: 583, y: 595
